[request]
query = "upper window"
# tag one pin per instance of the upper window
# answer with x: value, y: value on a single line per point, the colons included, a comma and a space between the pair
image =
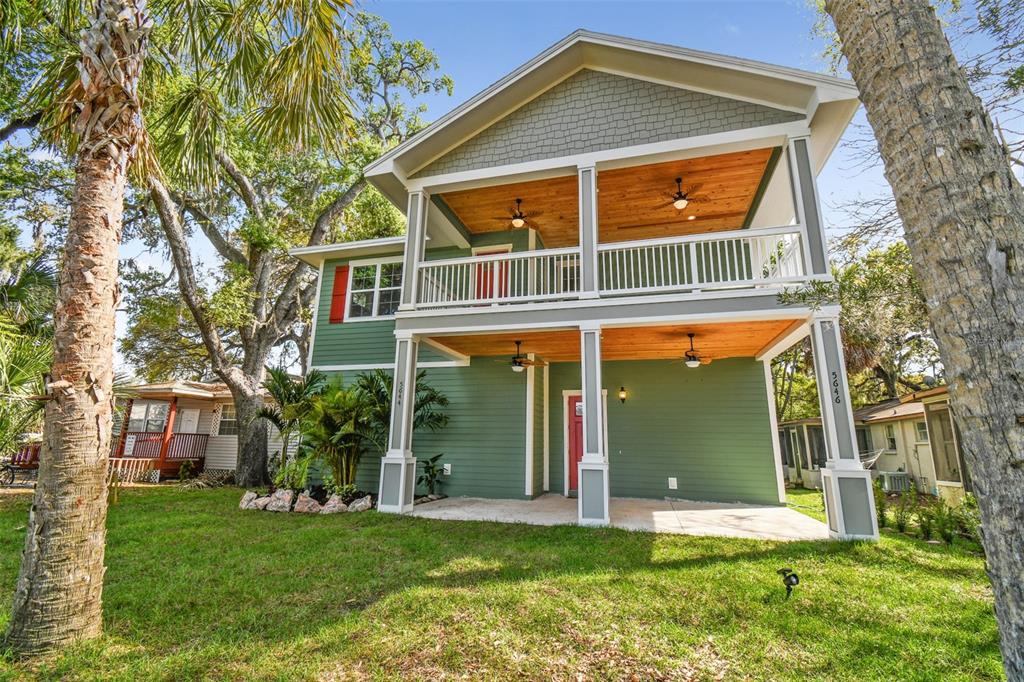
x: 922, y: 432
x: 228, y: 421
x: 376, y: 290
x: 890, y: 437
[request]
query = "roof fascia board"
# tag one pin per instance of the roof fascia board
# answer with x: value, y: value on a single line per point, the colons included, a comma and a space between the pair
x: 314, y: 254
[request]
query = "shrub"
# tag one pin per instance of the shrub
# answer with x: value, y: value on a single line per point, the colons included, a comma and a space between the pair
x: 925, y: 521
x: 905, y: 510
x: 293, y: 475
x: 187, y: 470
x: 432, y: 471
x: 945, y: 518
x: 346, y: 491
x: 968, y: 518
x: 881, y: 502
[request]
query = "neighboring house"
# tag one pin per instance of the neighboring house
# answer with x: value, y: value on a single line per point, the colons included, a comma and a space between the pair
x: 893, y: 434
x: 950, y: 477
x: 607, y: 205
x: 914, y: 434
x: 171, y: 422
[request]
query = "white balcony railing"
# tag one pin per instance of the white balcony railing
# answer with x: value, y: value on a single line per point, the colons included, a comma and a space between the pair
x: 720, y: 260
x: 708, y: 261
x: 543, y: 275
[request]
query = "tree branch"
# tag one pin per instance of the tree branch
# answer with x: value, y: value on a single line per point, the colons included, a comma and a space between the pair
x: 205, y: 222
x: 20, y: 123
x: 245, y: 187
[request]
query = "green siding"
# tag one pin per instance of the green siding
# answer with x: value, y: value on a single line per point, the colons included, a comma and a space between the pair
x: 708, y: 427
x: 485, y: 438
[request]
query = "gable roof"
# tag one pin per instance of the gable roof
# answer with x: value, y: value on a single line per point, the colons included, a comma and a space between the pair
x: 895, y: 409
x: 827, y: 102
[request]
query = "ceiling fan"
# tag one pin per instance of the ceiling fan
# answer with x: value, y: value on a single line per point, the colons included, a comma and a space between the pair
x: 519, y: 219
x: 681, y: 199
x: 520, y: 362
x: 691, y: 357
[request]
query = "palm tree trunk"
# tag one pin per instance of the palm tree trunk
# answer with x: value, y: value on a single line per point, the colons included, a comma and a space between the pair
x: 57, y: 598
x: 963, y: 214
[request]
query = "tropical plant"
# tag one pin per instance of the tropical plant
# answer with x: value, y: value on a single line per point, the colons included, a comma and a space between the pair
x: 332, y: 431
x: 375, y: 388
x: 346, y: 492
x: 969, y: 518
x: 23, y: 362
x: 292, y: 399
x: 946, y: 522
x: 294, y: 474
x: 27, y: 294
x: 905, y: 510
x: 881, y: 503
x: 432, y: 472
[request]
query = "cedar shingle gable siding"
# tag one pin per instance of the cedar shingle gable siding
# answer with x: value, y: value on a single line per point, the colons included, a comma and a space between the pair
x: 594, y: 110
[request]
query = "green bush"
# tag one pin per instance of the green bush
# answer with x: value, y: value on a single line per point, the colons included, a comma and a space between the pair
x: 881, y: 503
x: 432, y: 472
x: 925, y: 521
x: 969, y: 518
x: 905, y: 510
x: 946, y: 522
x: 187, y: 470
x: 293, y: 475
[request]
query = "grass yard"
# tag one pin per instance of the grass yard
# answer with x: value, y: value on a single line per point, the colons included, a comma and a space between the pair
x: 196, y: 588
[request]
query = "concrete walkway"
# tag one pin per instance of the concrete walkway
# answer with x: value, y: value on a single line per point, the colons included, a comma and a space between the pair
x: 655, y: 516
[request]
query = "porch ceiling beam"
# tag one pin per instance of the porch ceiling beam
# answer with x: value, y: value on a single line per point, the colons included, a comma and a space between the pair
x: 784, y: 341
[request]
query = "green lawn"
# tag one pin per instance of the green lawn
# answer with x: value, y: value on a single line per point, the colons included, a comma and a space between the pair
x: 196, y: 588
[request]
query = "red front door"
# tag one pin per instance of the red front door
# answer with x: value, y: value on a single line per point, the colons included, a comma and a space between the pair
x: 574, y: 409
x: 491, y: 277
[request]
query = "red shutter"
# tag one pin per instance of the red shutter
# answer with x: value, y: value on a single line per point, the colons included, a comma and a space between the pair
x: 338, y: 294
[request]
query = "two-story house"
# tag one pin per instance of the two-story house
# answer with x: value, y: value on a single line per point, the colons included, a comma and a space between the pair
x: 594, y: 250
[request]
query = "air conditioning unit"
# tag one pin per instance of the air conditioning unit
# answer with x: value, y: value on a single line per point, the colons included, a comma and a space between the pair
x: 896, y: 481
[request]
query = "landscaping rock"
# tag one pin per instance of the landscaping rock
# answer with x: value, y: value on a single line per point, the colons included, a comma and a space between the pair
x: 333, y: 505
x: 247, y: 499
x: 362, y: 504
x: 260, y: 503
x: 281, y: 501
x: 306, y: 505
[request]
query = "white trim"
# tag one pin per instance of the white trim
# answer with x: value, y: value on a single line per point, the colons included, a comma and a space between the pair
x: 331, y: 251
x: 531, y: 378
x: 800, y: 312
x: 746, y: 138
x: 773, y: 421
x: 565, y: 432
x: 376, y: 262
x: 784, y: 343
x: 546, y: 377
x: 316, y: 314
x: 460, y: 359
x: 387, y: 365
x: 492, y: 249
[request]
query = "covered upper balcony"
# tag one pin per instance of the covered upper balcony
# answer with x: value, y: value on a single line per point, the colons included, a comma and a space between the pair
x: 713, y: 222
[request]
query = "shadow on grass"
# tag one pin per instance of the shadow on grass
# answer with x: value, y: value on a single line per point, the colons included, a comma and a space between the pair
x: 189, y: 570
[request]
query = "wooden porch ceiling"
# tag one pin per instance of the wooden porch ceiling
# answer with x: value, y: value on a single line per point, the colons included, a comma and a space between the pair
x: 712, y: 341
x: 633, y: 202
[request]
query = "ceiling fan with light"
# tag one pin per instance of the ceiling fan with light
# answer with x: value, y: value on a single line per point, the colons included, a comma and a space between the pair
x: 520, y: 361
x: 518, y: 218
x: 691, y: 357
x: 681, y: 199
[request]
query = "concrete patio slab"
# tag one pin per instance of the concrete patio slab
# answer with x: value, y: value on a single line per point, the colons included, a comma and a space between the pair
x: 656, y: 516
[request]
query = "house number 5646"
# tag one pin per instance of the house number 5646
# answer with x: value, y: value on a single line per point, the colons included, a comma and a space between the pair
x: 836, y: 393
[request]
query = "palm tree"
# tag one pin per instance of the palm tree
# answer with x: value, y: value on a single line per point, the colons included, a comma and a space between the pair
x: 94, y: 75
x: 333, y: 431
x: 27, y: 295
x: 23, y: 361
x: 292, y: 401
x: 375, y: 390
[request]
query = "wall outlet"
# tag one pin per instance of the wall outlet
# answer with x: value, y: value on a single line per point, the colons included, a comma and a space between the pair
x: 447, y: 469
x: 672, y: 483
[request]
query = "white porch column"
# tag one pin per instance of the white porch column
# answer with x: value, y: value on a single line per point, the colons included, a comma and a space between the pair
x: 586, y: 177
x: 593, y: 467
x: 806, y: 204
x: 415, y: 239
x: 849, y: 499
x: 398, y: 466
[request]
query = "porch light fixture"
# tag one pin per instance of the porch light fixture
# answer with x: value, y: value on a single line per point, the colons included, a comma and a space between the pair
x: 518, y: 217
x: 691, y: 217
x: 692, y: 359
x: 622, y: 394
x: 679, y: 199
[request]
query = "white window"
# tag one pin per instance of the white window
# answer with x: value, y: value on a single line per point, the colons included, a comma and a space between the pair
x: 148, y: 417
x: 922, y: 432
x: 228, y: 421
x: 890, y: 437
x: 375, y: 290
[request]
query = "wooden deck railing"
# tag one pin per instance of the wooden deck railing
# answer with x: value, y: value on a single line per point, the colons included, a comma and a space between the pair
x: 147, y: 446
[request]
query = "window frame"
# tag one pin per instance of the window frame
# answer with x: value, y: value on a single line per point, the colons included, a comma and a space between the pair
x: 234, y: 418
x: 378, y: 264
x: 918, y: 430
x: 890, y: 437
x: 148, y: 406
